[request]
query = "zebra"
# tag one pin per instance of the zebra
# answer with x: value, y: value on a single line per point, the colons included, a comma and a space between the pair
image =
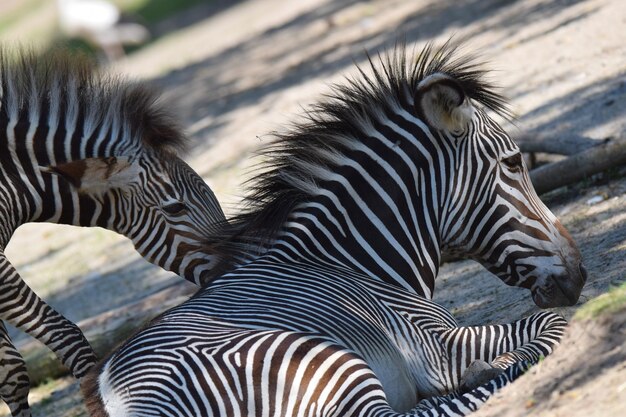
x: 83, y: 148
x: 321, y: 300
x: 270, y: 339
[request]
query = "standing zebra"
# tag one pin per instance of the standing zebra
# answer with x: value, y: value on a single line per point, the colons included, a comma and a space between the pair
x: 84, y: 149
x: 332, y: 316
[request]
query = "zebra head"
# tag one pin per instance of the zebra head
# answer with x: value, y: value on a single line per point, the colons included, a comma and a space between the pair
x: 179, y: 213
x: 114, y: 155
x: 153, y: 198
x: 491, y: 211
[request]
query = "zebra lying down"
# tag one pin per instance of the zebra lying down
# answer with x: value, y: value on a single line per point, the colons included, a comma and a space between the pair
x: 323, y: 306
x: 298, y: 339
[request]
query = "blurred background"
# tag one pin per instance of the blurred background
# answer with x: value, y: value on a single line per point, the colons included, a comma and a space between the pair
x: 232, y: 71
x: 107, y: 29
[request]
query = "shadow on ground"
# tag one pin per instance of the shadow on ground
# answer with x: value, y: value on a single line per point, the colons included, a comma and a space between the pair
x: 212, y: 88
x: 120, y: 283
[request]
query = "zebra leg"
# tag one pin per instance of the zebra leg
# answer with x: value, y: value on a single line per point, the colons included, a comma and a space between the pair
x: 543, y: 331
x: 20, y: 306
x: 459, y: 404
x: 499, y: 346
x: 14, y: 381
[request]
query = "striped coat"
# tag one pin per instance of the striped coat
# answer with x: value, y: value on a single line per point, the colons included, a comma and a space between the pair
x: 82, y: 148
x: 323, y: 304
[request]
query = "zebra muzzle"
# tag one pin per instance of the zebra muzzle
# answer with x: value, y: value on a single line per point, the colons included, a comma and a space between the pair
x: 561, y: 290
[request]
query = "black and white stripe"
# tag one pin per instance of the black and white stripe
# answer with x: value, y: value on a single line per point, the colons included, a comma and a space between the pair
x: 281, y: 338
x: 331, y: 314
x: 82, y: 148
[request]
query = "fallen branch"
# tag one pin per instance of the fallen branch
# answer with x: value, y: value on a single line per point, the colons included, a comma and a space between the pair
x: 560, y: 145
x: 577, y: 167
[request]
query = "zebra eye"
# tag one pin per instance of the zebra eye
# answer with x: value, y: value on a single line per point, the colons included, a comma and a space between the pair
x: 174, y: 208
x: 513, y: 162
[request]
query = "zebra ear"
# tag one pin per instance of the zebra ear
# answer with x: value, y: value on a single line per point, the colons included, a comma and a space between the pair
x: 440, y: 99
x: 97, y: 175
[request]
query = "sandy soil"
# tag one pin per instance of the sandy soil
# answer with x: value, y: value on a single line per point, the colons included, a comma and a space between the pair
x: 247, y: 68
x: 585, y: 377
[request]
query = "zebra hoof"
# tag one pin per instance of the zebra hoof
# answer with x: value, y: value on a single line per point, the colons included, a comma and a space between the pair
x: 478, y: 373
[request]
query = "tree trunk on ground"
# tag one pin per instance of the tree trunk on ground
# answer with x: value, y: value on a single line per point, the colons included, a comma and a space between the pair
x: 577, y: 167
x: 560, y: 145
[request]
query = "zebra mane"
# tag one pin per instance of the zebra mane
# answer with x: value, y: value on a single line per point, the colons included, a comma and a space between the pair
x: 296, y: 160
x: 28, y: 80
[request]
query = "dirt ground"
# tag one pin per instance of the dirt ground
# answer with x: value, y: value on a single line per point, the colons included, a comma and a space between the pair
x: 246, y: 69
x: 585, y: 377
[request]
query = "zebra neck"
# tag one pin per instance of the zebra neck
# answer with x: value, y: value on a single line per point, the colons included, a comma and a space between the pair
x: 44, y: 140
x: 381, y: 250
x: 67, y: 206
x: 63, y: 205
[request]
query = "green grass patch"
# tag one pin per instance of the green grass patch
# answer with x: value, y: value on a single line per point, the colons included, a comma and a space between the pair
x: 608, y: 303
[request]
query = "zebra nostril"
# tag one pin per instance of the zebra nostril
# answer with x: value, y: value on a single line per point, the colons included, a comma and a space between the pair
x: 583, y: 271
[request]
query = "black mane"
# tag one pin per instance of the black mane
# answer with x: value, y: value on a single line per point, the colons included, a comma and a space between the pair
x: 287, y: 176
x: 28, y: 79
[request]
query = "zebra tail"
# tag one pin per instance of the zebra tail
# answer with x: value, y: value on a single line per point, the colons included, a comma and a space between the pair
x: 90, y: 389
